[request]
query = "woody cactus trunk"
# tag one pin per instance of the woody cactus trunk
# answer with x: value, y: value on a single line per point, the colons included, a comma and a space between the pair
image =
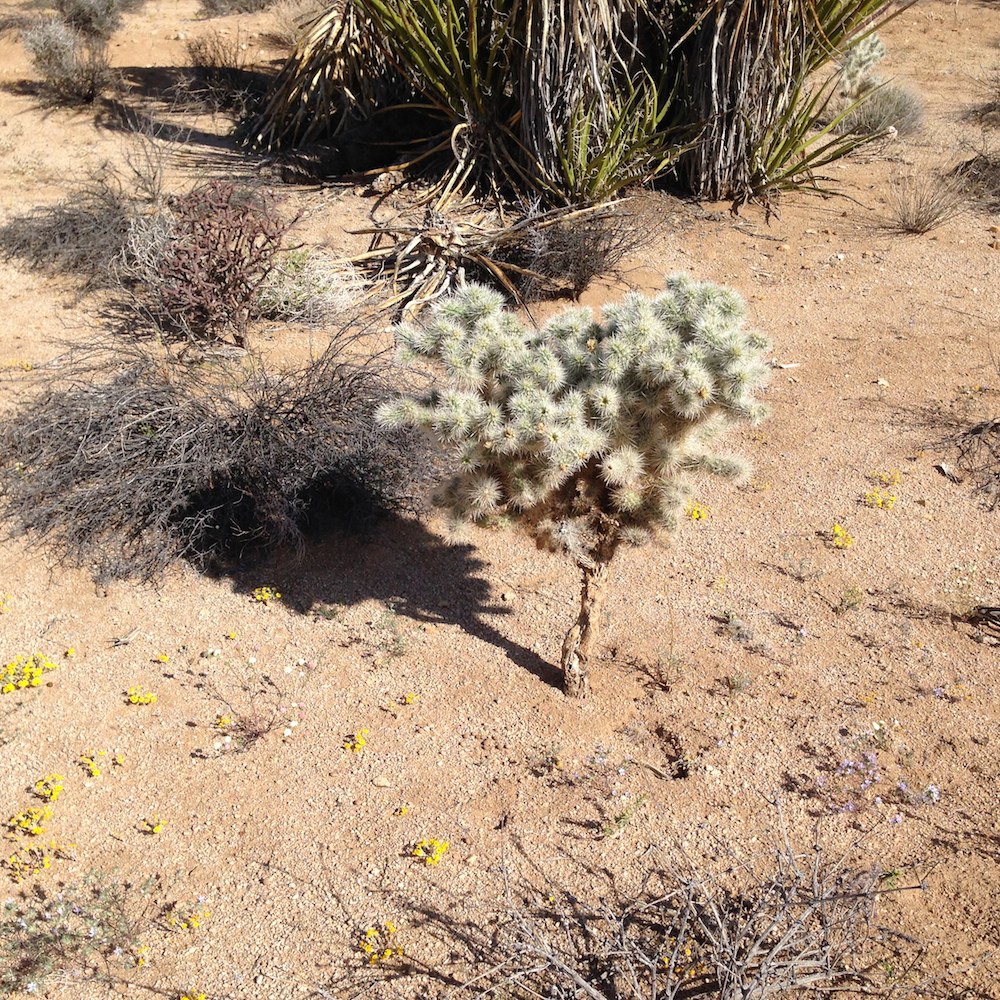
x: 588, y: 432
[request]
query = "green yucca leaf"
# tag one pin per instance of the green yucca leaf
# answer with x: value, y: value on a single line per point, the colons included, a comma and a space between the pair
x: 572, y: 101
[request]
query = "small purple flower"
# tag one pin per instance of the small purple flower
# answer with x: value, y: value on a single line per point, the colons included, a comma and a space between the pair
x: 938, y: 692
x: 896, y: 820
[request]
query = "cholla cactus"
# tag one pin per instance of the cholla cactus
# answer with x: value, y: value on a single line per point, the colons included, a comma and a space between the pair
x: 587, y: 432
x: 855, y: 69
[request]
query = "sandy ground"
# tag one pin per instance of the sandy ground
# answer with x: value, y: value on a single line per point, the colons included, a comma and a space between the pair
x: 745, y: 661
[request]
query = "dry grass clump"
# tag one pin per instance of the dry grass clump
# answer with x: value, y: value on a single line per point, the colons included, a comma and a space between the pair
x: 564, y: 257
x: 124, y: 460
x: 289, y: 20
x: 883, y: 109
x: 309, y: 286
x: 922, y: 201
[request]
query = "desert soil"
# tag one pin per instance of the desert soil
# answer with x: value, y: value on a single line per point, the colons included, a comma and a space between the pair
x: 746, y: 658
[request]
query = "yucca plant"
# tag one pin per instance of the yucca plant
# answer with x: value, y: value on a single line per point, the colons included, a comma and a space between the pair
x: 574, y: 100
x: 587, y: 432
x: 517, y: 97
x: 747, y: 67
x: 460, y: 57
x: 335, y: 75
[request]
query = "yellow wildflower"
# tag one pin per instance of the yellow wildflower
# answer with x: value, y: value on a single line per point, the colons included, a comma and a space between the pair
x: 696, y: 511
x: 30, y: 821
x: 430, y: 850
x: 841, y: 539
x: 265, y: 594
x: 356, y: 742
x: 153, y: 826
x: 49, y: 788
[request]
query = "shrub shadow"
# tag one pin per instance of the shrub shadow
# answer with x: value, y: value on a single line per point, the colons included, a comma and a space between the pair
x: 953, y: 839
x: 406, y: 565
x: 115, y: 115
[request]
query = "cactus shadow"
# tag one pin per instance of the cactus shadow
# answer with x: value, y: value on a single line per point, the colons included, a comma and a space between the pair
x: 403, y: 564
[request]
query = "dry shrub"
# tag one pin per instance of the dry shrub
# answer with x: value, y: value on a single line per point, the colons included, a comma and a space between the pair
x: 83, y: 235
x: 922, y: 201
x: 220, y: 76
x: 803, y: 922
x: 125, y: 460
x: 74, y: 69
x: 564, y: 258
x: 200, y: 270
x: 987, y: 112
x: 10, y: 22
x: 202, y: 265
x: 979, y: 455
x: 223, y: 8
x: 980, y: 177
x: 95, y: 18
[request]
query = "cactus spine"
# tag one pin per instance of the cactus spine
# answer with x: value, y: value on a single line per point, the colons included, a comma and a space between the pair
x: 586, y: 431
